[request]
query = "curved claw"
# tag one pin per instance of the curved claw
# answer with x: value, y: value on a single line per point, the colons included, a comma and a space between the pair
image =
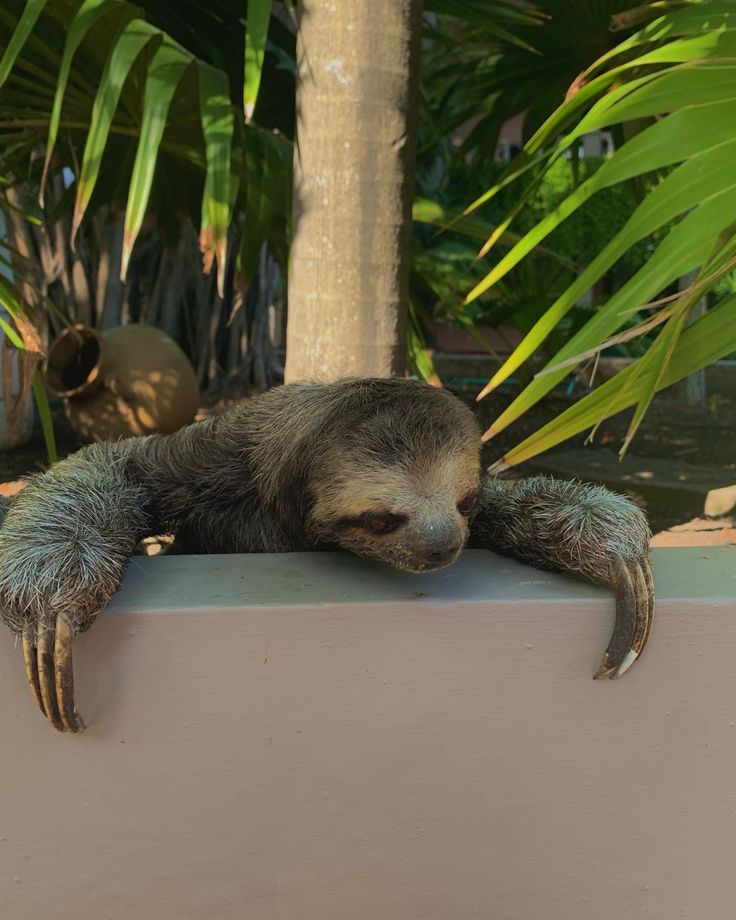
x: 649, y: 581
x: 73, y: 722
x: 634, y: 590
x: 31, y: 665
x: 644, y: 588
x: 48, y: 666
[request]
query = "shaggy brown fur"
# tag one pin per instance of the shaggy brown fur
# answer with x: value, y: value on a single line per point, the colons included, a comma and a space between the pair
x: 388, y: 469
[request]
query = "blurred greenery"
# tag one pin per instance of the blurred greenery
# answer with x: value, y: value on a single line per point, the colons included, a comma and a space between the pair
x: 447, y: 264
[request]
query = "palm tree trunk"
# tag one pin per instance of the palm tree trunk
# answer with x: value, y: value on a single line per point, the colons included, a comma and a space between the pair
x: 353, y: 186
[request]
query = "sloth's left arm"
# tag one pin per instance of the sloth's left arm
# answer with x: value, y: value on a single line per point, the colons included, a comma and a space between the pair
x: 574, y: 527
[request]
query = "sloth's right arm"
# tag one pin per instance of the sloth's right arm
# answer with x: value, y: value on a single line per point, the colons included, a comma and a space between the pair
x: 64, y: 542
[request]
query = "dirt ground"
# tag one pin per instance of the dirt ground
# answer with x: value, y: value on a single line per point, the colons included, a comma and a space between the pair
x: 678, y: 458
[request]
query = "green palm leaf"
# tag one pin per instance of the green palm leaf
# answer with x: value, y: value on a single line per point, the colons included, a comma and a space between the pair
x: 164, y: 75
x: 217, y: 125
x: 44, y: 414
x: 97, y: 74
x: 131, y: 40
x: 697, y: 180
x: 702, y: 343
x: 87, y: 15
x: 256, y: 33
x: 685, y: 248
x: 32, y: 11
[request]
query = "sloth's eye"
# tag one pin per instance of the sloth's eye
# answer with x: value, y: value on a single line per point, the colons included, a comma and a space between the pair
x: 468, y: 503
x: 381, y: 521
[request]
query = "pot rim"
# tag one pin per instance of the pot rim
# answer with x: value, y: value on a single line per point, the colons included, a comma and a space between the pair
x: 93, y: 377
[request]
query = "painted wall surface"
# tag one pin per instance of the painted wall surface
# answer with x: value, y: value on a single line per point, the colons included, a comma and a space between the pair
x: 311, y: 737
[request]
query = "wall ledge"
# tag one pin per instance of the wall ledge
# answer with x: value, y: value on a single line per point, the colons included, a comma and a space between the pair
x: 155, y: 584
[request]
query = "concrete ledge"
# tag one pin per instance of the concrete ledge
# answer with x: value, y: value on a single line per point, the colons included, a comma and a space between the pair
x: 311, y: 737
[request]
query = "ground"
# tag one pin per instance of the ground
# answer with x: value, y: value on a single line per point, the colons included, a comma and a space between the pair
x: 679, y: 460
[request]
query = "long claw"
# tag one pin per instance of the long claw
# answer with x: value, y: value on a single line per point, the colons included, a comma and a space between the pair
x: 70, y: 718
x: 619, y: 646
x: 649, y: 581
x: 634, y: 590
x: 644, y: 588
x: 30, y: 660
x: 46, y: 677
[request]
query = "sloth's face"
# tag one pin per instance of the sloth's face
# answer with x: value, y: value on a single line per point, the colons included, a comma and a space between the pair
x: 414, y: 517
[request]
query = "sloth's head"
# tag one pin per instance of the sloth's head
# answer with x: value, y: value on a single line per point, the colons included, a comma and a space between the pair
x: 398, y: 474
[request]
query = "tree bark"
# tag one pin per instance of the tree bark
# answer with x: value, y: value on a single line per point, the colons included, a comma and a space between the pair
x: 357, y: 65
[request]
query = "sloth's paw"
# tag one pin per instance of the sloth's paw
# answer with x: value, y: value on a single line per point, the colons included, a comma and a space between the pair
x: 579, y: 528
x: 46, y: 598
x: 64, y: 542
x: 606, y: 537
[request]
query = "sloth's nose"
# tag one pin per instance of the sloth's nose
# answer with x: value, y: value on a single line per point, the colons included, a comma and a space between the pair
x: 441, y: 555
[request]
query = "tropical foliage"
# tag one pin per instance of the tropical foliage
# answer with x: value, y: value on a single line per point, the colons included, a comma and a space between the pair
x: 482, y: 76
x: 144, y: 128
x: 671, y: 90
x: 146, y: 141
x: 141, y: 130
x: 143, y: 107
x: 136, y: 138
x: 475, y: 79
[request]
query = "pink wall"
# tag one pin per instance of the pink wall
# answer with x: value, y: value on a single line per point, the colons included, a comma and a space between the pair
x: 315, y: 738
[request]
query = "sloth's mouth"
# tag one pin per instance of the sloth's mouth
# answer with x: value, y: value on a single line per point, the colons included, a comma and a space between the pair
x: 422, y: 568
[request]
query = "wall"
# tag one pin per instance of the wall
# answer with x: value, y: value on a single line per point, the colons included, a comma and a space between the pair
x: 311, y: 737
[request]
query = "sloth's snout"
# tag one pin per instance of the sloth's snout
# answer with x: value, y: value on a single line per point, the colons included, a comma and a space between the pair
x: 443, y: 554
x: 441, y: 541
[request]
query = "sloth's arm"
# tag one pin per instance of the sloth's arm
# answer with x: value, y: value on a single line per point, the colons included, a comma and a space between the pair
x: 66, y: 538
x: 574, y: 527
x: 64, y: 542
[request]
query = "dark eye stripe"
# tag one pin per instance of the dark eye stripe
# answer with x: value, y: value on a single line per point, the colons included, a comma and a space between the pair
x: 381, y: 522
x: 371, y: 521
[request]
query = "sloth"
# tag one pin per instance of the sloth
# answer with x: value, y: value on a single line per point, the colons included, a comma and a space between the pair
x: 388, y: 469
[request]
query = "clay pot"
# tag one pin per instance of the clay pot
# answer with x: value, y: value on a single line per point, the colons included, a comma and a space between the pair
x: 130, y: 380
